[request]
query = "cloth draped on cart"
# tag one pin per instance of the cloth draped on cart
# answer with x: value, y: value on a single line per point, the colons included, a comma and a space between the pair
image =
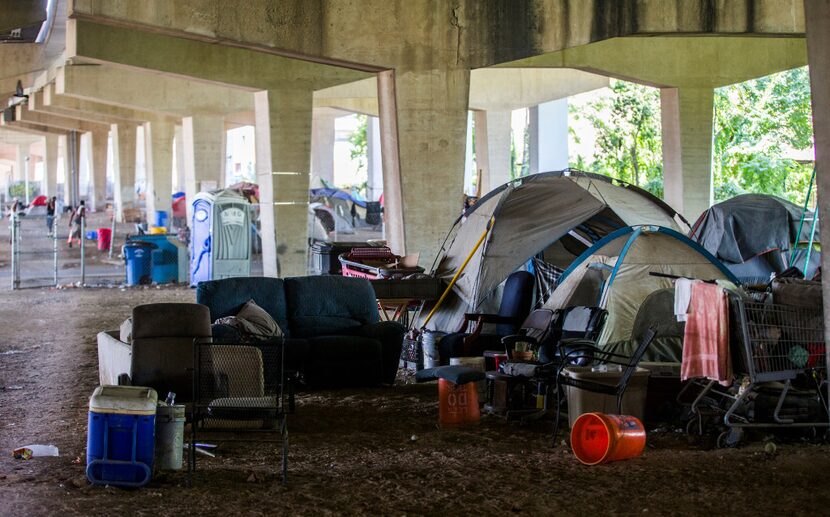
x: 706, y: 338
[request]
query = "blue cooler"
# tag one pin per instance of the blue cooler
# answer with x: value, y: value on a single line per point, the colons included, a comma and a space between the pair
x: 120, y: 440
x: 139, y: 258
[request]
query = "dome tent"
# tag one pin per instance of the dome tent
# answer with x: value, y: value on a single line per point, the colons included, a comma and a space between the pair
x: 615, y: 274
x: 557, y: 214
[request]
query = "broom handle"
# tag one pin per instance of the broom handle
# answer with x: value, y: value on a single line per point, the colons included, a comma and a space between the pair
x: 460, y: 270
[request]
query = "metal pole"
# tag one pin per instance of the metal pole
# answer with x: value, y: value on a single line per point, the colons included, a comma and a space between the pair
x: 83, y: 243
x: 55, y: 245
x: 14, y: 229
x: 112, y: 233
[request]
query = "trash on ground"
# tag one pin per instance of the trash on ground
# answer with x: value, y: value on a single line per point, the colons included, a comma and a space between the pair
x: 31, y: 451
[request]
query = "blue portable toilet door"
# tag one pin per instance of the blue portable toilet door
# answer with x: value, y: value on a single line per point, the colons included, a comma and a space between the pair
x: 232, y: 240
x: 201, y: 263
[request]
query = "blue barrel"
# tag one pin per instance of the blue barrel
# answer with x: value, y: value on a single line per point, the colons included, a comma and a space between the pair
x: 161, y: 219
x: 139, y: 258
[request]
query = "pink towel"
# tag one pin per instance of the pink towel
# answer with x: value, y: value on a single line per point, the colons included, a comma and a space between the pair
x: 706, y: 339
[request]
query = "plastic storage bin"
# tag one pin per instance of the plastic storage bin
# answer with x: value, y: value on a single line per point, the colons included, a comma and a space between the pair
x: 583, y: 401
x: 324, y: 255
x: 121, y: 435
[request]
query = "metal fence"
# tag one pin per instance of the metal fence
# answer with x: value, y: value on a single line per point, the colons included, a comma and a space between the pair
x: 40, y: 258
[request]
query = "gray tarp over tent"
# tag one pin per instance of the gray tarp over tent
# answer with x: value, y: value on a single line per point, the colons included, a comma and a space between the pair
x: 615, y: 274
x: 537, y: 214
x: 753, y: 234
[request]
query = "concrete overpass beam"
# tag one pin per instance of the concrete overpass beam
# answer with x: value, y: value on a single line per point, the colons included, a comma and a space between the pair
x: 159, y: 142
x: 204, y: 142
x: 283, y: 150
x: 124, y: 159
x: 493, y: 147
x: 687, y: 121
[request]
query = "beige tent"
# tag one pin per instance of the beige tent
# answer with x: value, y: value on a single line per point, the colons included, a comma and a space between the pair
x: 559, y: 214
x: 615, y: 274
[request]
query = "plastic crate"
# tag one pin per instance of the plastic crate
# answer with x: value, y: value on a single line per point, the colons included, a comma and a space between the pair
x: 584, y: 401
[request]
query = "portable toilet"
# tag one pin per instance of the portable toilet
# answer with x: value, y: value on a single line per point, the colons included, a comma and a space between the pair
x: 220, y: 238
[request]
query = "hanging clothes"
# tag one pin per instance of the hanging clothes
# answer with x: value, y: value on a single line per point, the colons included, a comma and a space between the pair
x: 706, y: 338
x: 682, y: 296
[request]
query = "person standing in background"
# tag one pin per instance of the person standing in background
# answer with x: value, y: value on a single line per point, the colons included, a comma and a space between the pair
x: 50, y: 214
x: 75, y: 219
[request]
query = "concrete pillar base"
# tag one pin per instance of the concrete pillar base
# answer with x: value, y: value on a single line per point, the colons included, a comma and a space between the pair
x: 493, y: 148
x: 159, y: 155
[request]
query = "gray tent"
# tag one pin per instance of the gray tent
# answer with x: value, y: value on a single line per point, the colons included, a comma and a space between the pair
x: 558, y: 214
x: 753, y: 234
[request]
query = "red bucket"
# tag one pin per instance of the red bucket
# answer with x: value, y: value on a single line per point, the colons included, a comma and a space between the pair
x: 599, y: 438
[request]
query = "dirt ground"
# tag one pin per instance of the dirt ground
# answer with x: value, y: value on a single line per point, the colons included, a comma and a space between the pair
x: 372, y: 451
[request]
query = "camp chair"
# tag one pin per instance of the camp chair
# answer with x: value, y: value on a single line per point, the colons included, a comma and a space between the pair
x: 599, y: 357
x: 470, y: 339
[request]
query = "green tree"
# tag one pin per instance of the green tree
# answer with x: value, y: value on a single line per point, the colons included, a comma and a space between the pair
x: 358, y: 151
x: 628, y: 135
x: 757, y: 123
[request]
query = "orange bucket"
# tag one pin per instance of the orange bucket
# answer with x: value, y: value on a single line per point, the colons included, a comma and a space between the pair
x: 599, y: 438
x: 457, y: 404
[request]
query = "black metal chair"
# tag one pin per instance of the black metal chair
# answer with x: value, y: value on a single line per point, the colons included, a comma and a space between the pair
x: 238, y: 387
x: 598, y: 356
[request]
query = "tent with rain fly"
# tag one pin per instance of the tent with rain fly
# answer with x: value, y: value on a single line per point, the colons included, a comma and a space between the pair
x: 615, y: 274
x: 553, y: 215
x: 754, y: 234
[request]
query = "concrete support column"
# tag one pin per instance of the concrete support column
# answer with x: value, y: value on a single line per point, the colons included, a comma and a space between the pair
x: 429, y: 135
x: 22, y: 162
x: 124, y: 158
x: 204, y: 140
x: 283, y: 155
x: 374, y: 163
x: 71, y: 187
x: 50, y: 165
x: 98, y: 169
x: 817, y: 16
x: 158, y: 140
x: 549, y: 136
x: 493, y: 148
x: 322, y: 145
x: 687, y: 121
x: 179, y: 159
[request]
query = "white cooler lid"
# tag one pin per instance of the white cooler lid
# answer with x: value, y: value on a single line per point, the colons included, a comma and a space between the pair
x: 124, y: 400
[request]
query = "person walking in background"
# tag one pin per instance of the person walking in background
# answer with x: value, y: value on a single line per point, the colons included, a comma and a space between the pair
x: 78, y: 214
x: 50, y: 214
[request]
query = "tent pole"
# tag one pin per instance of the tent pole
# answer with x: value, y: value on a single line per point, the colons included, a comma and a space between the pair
x: 460, y: 270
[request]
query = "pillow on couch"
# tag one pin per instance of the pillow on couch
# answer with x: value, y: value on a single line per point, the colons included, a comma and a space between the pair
x: 252, y: 322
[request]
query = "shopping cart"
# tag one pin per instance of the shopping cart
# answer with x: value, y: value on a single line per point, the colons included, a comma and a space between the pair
x: 772, y: 346
x: 777, y: 344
